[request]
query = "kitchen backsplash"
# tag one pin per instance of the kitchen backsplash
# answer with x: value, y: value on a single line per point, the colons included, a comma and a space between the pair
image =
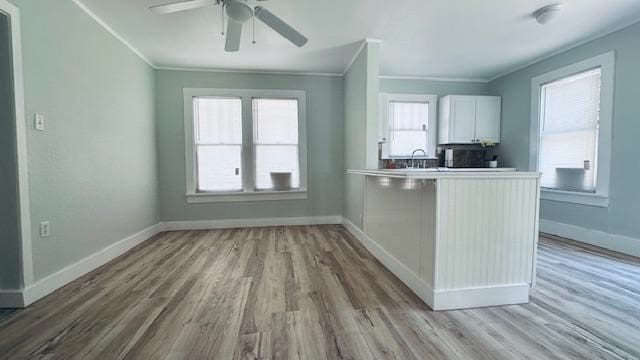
x: 429, y: 163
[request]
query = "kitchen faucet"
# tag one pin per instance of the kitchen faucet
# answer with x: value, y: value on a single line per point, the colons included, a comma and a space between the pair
x: 413, y: 162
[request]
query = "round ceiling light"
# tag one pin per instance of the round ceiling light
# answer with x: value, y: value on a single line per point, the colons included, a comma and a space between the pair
x: 546, y: 13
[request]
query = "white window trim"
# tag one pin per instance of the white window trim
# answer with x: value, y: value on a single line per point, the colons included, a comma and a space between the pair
x: 432, y: 133
x: 193, y: 196
x: 605, y: 135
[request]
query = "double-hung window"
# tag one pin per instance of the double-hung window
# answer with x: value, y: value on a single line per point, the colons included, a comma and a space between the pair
x: 408, y: 124
x: 245, y: 145
x: 572, y: 127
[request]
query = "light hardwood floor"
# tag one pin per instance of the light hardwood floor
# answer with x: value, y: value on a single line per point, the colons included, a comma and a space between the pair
x: 313, y: 292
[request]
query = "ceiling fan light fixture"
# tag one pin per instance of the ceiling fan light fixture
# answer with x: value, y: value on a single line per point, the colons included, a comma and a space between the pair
x: 546, y: 13
x: 238, y: 11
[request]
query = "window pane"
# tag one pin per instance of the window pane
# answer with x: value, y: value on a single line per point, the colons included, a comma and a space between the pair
x: 403, y: 143
x: 219, y: 167
x: 408, y: 123
x: 275, y: 133
x: 569, y: 137
x: 275, y: 121
x: 276, y: 158
x: 408, y: 115
x: 563, y: 159
x: 218, y: 120
x: 572, y: 103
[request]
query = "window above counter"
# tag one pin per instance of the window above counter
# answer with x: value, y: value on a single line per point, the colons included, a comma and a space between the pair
x: 408, y: 123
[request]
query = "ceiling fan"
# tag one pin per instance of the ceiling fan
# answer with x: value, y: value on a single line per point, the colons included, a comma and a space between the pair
x: 238, y: 13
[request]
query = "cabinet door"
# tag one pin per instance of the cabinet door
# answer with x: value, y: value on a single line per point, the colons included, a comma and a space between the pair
x: 488, y: 118
x: 462, y: 120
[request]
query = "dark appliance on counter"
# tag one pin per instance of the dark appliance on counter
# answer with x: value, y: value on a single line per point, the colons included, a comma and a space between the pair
x: 464, y: 158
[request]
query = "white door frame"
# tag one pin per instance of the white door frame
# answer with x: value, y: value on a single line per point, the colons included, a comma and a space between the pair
x: 21, y: 144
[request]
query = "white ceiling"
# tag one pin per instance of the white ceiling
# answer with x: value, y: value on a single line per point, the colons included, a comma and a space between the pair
x: 477, y: 39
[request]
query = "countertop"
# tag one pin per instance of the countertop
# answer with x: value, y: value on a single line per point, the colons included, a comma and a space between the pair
x: 436, y: 173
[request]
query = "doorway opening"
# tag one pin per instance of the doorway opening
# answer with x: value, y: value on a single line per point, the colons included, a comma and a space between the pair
x: 16, y: 270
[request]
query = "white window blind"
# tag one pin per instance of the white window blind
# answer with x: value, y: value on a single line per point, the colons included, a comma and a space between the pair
x: 275, y: 138
x: 218, y: 140
x: 408, y: 127
x: 570, y: 114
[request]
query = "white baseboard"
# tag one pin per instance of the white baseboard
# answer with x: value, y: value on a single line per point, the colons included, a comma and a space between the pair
x: 43, y: 287
x: 244, y: 223
x: 11, y: 299
x: 481, y: 297
x: 448, y: 299
x: 620, y: 243
x: 408, y: 277
x: 56, y: 280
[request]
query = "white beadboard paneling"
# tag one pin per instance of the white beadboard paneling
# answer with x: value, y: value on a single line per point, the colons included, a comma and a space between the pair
x: 393, y: 217
x: 486, y: 233
x: 428, y: 231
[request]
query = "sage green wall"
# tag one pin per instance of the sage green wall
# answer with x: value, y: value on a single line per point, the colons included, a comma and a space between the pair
x: 361, y: 85
x: 9, y: 220
x: 324, y: 145
x: 93, y: 171
x: 624, y: 205
x: 431, y: 87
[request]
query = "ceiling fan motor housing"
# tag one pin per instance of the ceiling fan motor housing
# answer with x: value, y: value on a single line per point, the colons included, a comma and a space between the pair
x: 238, y: 11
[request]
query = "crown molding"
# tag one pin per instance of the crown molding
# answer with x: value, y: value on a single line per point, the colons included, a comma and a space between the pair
x: 435, y: 78
x: 246, y: 71
x: 112, y: 32
x: 357, y: 53
x: 568, y: 47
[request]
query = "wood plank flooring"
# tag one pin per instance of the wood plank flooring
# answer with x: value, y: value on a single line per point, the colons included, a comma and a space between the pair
x: 313, y: 292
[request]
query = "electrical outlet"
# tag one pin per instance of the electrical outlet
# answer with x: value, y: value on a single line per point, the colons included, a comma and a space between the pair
x: 45, y: 229
x: 39, y: 122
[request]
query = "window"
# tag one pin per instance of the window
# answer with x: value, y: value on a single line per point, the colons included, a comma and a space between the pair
x: 245, y: 145
x: 570, y: 110
x: 573, y: 133
x: 408, y: 124
x: 275, y: 137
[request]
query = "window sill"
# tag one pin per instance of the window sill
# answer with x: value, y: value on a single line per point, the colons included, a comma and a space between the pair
x: 599, y: 200
x: 267, y: 195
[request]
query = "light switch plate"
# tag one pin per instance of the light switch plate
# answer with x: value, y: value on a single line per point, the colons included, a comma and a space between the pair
x: 39, y: 122
x: 45, y: 229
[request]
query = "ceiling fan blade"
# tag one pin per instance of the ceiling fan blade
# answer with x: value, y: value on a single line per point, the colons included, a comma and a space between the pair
x: 280, y: 26
x: 181, y: 6
x: 234, y: 30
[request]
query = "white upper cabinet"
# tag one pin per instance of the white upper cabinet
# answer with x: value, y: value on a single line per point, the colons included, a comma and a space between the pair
x: 488, y: 118
x: 469, y: 119
x: 462, y: 119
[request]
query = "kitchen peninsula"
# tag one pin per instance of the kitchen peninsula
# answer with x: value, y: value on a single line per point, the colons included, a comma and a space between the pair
x: 458, y: 238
